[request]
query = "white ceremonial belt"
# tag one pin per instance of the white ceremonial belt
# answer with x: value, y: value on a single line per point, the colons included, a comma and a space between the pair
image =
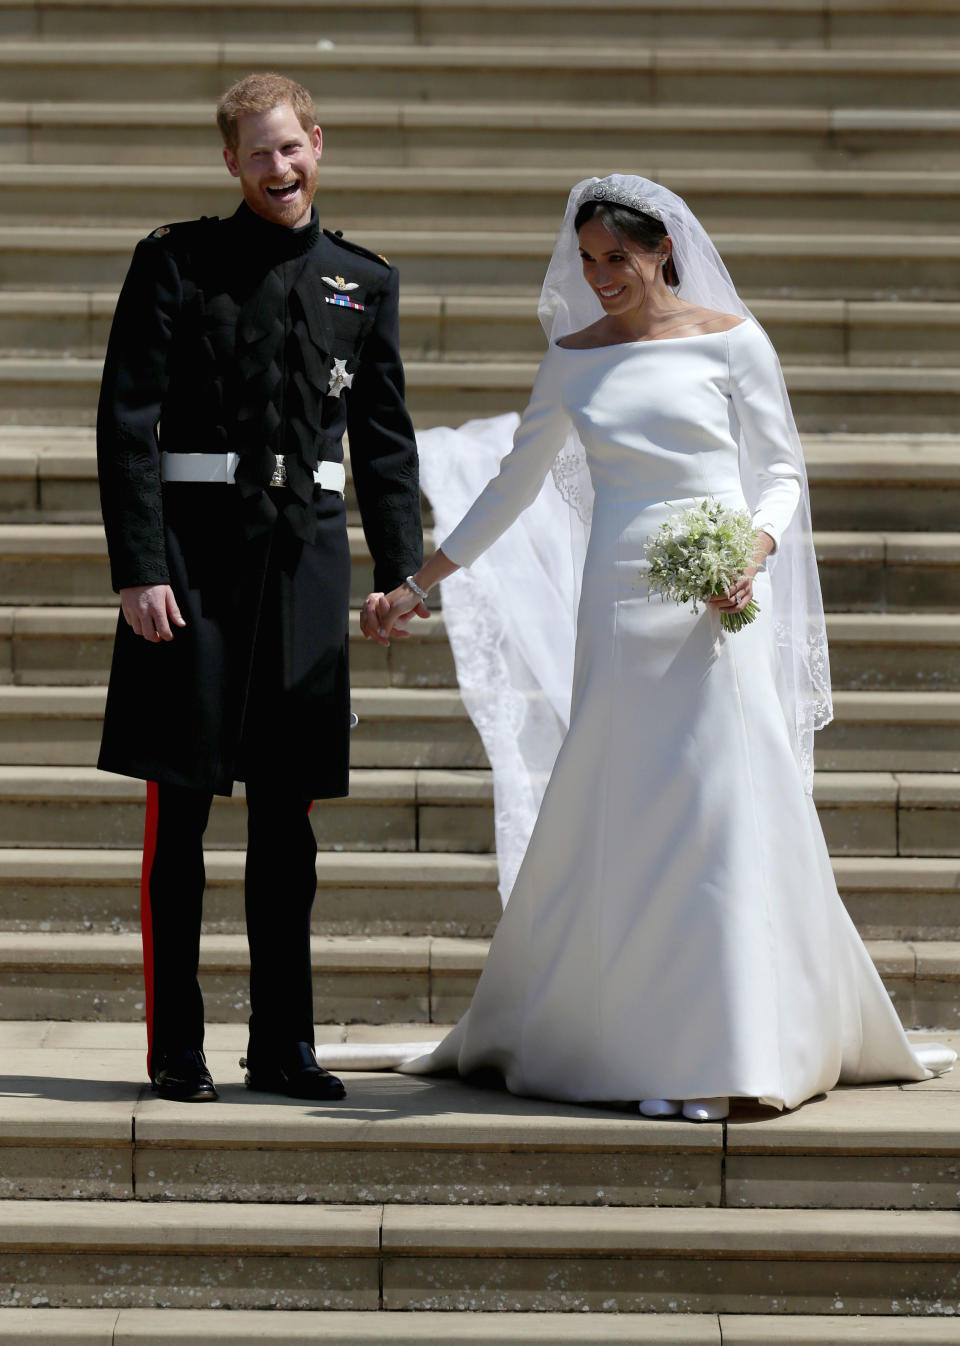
x: 221, y: 468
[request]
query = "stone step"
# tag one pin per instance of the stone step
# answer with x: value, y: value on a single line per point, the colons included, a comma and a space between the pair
x: 810, y: 23
x: 862, y: 265
x: 429, y: 728
x: 399, y: 728
x: 896, y: 482
x: 907, y: 76
x: 436, y: 812
x: 45, y: 646
x: 564, y: 134
x: 38, y: 390
x: 80, y: 1126
x: 452, y: 327
x: 894, y: 651
x: 371, y: 979
x: 66, y: 564
x: 430, y: 811
x: 891, y: 731
x: 72, y: 646
x: 376, y: 980
x: 883, y: 481
x: 390, y: 893
x: 725, y: 200
x: 873, y: 814
x: 54, y: 886
x: 888, y: 572
x: 187, y: 1327
x: 826, y: 1330
x: 900, y: 899
x: 410, y: 1258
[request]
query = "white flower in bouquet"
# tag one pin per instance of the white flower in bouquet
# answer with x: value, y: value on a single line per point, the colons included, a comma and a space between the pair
x: 698, y: 553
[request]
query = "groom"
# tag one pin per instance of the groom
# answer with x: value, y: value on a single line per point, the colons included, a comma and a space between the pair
x: 241, y: 351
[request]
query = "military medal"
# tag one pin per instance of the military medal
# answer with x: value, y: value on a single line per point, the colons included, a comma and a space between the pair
x: 339, y: 378
x: 342, y: 288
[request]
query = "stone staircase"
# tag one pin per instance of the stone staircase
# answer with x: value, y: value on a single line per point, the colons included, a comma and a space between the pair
x: 818, y: 140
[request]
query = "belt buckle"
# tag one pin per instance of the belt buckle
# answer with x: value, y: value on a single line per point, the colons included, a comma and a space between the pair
x: 279, y: 477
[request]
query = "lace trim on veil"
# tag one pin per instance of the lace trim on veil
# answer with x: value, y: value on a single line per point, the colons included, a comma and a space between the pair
x: 512, y: 646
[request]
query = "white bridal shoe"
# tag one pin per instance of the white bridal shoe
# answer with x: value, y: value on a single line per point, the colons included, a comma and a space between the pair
x: 659, y: 1107
x: 706, y: 1109
x: 694, y: 1109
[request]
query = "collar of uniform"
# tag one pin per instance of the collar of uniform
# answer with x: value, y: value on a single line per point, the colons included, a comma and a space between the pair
x: 276, y: 240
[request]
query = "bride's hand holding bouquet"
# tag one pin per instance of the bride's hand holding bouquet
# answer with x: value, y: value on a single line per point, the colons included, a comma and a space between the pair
x: 709, y: 554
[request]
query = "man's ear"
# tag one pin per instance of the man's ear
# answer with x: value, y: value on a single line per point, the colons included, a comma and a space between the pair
x: 230, y: 159
x: 316, y: 140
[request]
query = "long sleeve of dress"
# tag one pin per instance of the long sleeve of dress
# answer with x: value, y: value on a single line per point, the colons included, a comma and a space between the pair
x: 759, y: 401
x: 538, y: 439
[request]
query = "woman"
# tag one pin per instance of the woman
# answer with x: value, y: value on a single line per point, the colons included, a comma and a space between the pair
x: 674, y: 934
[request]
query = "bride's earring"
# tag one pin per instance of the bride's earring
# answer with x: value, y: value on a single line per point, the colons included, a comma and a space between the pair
x: 664, y: 263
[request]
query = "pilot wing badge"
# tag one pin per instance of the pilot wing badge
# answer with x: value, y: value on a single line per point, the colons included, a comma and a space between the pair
x: 342, y: 287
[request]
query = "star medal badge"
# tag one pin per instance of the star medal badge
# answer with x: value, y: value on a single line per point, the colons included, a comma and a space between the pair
x: 339, y: 378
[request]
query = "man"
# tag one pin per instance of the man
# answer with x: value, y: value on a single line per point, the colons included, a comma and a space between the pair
x: 241, y: 351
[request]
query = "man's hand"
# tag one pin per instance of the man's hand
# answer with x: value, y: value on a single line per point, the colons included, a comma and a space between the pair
x: 148, y: 610
x: 386, y: 614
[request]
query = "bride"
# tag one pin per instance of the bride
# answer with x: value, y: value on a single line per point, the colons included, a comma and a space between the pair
x: 674, y: 935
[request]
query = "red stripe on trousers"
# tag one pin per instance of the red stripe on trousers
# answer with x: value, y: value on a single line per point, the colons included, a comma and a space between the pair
x: 146, y: 910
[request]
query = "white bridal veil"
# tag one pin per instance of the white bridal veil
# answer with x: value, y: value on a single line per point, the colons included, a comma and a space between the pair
x: 511, y: 617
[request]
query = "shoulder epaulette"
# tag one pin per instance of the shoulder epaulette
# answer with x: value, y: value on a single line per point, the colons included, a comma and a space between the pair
x: 336, y: 237
x: 184, y: 229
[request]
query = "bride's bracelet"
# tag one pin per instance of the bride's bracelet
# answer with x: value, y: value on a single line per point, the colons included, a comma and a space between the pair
x: 412, y: 584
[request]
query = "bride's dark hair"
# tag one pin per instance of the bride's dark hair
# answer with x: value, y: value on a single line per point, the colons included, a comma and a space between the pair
x: 623, y: 222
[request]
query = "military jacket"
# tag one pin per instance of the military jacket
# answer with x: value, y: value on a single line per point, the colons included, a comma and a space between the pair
x: 245, y: 337
x: 225, y: 338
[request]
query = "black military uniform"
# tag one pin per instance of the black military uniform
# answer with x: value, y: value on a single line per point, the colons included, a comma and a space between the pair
x: 247, y: 338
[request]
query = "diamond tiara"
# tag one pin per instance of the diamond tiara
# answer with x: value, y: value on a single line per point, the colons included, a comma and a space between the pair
x: 620, y: 196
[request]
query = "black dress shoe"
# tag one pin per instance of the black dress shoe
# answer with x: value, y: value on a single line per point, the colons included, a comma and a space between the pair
x: 292, y: 1070
x: 183, y: 1075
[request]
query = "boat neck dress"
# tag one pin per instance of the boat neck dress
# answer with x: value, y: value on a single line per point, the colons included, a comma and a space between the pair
x: 674, y: 930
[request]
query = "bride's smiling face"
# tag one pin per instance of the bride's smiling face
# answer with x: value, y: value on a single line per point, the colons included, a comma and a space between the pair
x: 619, y: 271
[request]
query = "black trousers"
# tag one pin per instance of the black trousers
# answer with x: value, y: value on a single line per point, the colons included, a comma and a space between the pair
x: 279, y: 887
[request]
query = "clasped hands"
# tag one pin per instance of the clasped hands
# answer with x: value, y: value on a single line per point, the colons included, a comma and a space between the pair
x: 386, y: 615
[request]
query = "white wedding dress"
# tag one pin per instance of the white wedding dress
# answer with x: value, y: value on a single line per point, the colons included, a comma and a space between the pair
x: 674, y: 930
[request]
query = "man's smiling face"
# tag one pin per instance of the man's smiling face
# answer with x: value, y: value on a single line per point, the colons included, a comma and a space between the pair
x: 276, y: 161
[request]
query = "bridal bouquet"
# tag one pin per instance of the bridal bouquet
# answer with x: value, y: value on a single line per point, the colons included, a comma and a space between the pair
x: 698, y: 553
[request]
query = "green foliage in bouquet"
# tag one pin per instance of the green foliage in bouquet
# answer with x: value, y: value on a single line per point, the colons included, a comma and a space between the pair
x: 698, y: 553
